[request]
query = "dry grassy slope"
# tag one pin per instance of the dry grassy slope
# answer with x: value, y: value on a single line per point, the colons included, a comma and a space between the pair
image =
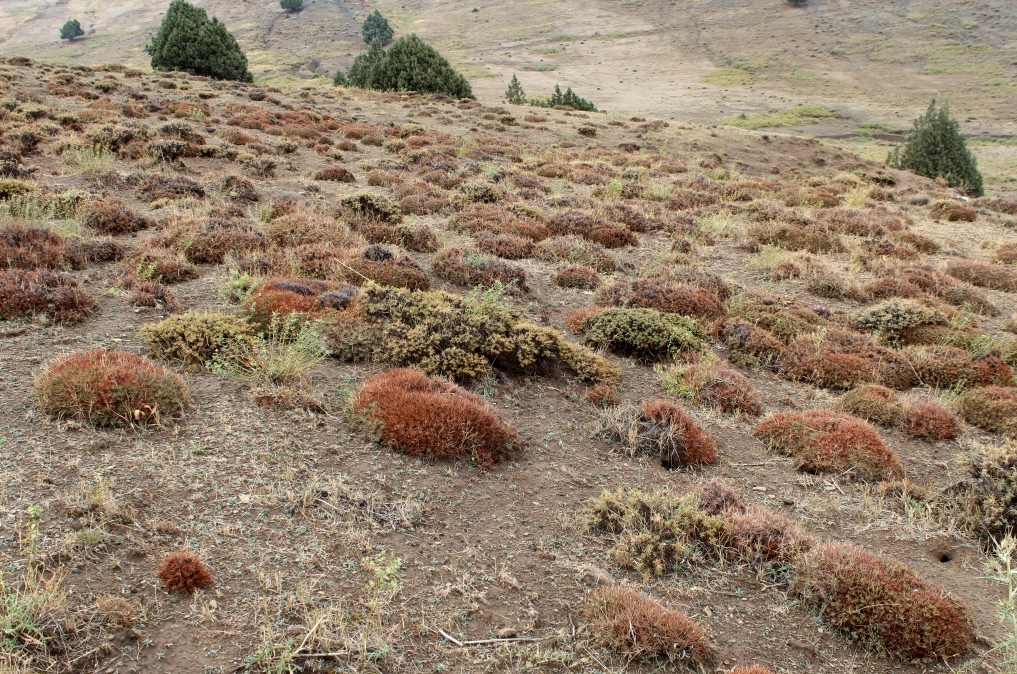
x: 285, y: 504
x: 877, y: 62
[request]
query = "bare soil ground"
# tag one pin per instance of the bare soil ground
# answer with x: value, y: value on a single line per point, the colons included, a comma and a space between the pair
x: 300, y: 516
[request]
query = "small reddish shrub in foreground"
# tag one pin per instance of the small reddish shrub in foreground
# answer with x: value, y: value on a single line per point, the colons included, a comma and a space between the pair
x: 713, y: 383
x: 751, y: 669
x: 874, y: 403
x: 421, y: 415
x: 23, y: 293
x: 336, y: 174
x: 629, y: 622
x: 664, y: 428
x: 508, y: 246
x: 824, y: 441
x: 882, y: 604
x: 110, y: 388
x: 602, y: 395
x: 183, y: 571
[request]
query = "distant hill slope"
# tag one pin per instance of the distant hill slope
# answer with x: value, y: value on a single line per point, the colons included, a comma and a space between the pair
x: 868, y: 62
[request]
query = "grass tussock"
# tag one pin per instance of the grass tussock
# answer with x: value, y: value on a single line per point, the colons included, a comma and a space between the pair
x: 110, y: 388
x: 28, y: 293
x: 427, y: 416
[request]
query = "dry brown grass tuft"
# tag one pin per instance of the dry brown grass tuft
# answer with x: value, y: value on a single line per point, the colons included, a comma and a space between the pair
x: 823, y: 441
x: 110, y: 388
x: 182, y: 571
x: 882, y: 604
x: 665, y: 296
x: 430, y: 416
x: 636, y: 626
x: 577, y: 276
x: 713, y: 383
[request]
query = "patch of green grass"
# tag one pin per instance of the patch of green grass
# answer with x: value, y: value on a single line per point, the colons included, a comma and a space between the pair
x: 725, y: 77
x: 800, y: 116
x: 549, y: 50
x: 956, y: 58
x: 546, y: 67
x: 561, y: 37
x: 800, y: 76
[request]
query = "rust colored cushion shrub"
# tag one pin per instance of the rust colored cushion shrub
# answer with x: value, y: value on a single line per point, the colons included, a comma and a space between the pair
x: 430, y: 416
x: 882, y: 604
x: 36, y: 248
x: 824, y: 441
x: 577, y: 276
x: 991, y: 408
x: 679, y: 437
x: 983, y: 274
x: 631, y: 623
x: 930, y: 421
x: 183, y: 571
x: 113, y: 216
x: 24, y: 293
x: 110, y: 388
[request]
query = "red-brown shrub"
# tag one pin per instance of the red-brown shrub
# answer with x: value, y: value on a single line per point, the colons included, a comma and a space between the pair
x: 663, y: 295
x: 948, y: 367
x: 465, y: 268
x: 824, y: 441
x: 793, y: 237
x: 110, y: 388
x: 508, y: 246
x: 983, y: 274
x: 23, y: 293
x: 930, y: 421
x: 113, y: 216
x: 36, y: 248
x: 874, y: 403
x: 182, y: 571
x: 751, y: 669
x: 713, y: 383
x: 213, y: 245
x: 760, y: 536
x: 161, y: 266
x: 635, y: 625
x: 429, y: 416
x: 577, y: 276
x: 717, y: 497
x: 602, y: 395
x: 991, y: 408
x: 748, y: 344
x: 952, y: 212
x: 882, y: 604
x: 682, y: 441
x: 335, y: 174
x: 281, y: 297
x: 843, y: 359
x: 612, y: 236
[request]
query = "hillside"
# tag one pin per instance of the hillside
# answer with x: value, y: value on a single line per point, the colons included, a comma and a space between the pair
x: 774, y: 345
x: 700, y: 61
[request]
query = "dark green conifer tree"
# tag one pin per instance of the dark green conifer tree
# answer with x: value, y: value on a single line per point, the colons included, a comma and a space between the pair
x: 935, y: 147
x: 187, y: 40
x: 71, y: 30
x: 411, y: 64
x: 515, y: 94
x: 376, y: 28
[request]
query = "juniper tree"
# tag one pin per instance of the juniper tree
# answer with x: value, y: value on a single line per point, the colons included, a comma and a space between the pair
x: 515, y: 94
x: 935, y: 147
x: 363, y: 66
x: 71, y: 30
x: 291, y: 5
x: 187, y: 40
x: 376, y: 28
x: 413, y: 65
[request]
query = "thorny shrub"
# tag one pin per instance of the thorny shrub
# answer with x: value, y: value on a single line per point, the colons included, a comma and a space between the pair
x: 195, y: 337
x: 643, y: 333
x: 661, y: 429
x: 991, y: 408
x: 709, y: 381
x: 429, y: 416
x: 823, y: 441
x: 110, y: 388
x: 26, y: 293
x: 882, y: 604
x: 631, y: 623
x: 665, y: 296
x: 36, y: 248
